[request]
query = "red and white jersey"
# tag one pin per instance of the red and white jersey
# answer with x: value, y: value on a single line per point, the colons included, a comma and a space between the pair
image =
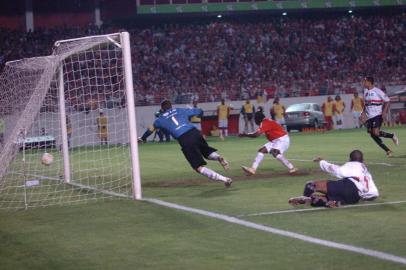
x: 357, y: 172
x: 374, y: 99
x: 271, y: 129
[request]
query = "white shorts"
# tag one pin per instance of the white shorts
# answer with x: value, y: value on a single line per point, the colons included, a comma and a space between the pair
x: 280, y: 121
x: 339, y: 117
x: 356, y: 115
x: 282, y: 144
x: 223, y: 123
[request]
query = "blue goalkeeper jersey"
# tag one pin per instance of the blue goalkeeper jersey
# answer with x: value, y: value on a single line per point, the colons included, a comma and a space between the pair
x: 176, y: 120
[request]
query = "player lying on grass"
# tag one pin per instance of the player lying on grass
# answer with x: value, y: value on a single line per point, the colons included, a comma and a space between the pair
x: 278, y: 143
x: 355, y: 184
x: 194, y: 146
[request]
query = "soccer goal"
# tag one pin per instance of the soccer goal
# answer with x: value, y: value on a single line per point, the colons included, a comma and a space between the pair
x: 77, y: 106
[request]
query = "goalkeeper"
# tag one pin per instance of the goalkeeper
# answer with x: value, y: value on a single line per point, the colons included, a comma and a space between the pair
x: 194, y: 146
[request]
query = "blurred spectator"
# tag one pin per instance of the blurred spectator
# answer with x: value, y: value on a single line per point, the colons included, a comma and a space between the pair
x: 69, y: 130
x: 278, y: 112
x: 102, y: 130
x: 328, y: 112
x: 196, y: 120
x: 247, y: 111
x: 232, y: 60
x: 223, y: 113
x: 339, y: 107
x: 357, y: 106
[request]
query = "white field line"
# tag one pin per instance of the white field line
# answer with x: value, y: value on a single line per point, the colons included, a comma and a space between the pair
x: 107, y: 192
x: 268, y: 229
x: 40, y: 177
x: 78, y: 185
x: 335, y: 161
x: 317, y: 209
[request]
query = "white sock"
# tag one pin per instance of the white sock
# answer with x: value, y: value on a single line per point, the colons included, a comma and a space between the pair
x: 225, y: 132
x: 213, y: 156
x: 258, y: 160
x: 212, y: 174
x: 284, y: 161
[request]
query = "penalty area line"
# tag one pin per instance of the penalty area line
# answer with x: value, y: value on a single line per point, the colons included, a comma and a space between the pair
x: 268, y: 229
x: 318, y: 209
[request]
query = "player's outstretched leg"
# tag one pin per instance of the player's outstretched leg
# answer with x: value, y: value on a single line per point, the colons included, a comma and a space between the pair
x: 381, y: 144
x: 395, y: 139
x: 279, y: 156
x: 223, y: 162
x: 299, y: 200
x: 258, y: 159
x: 315, y: 201
x: 214, y: 175
x: 392, y: 136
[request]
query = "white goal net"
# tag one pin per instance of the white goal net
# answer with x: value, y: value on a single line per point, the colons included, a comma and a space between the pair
x: 78, y: 106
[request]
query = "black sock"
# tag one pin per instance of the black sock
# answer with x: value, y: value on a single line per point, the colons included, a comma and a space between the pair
x: 309, y: 189
x: 380, y: 143
x: 146, y: 134
x: 385, y: 134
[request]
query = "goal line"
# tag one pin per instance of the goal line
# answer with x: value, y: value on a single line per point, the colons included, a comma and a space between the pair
x: 77, y: 185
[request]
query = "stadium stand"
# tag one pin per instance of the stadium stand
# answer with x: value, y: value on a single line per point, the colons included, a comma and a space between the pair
x: 288, y: 56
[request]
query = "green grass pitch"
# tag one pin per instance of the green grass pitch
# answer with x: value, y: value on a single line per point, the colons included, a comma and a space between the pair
x: 123, y: 234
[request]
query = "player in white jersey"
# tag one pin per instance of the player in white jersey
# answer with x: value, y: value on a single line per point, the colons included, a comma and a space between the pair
x: 376, y: 105
x: 355, y: 184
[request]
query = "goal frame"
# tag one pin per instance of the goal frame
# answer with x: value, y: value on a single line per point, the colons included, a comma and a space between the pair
x: 129, y: 90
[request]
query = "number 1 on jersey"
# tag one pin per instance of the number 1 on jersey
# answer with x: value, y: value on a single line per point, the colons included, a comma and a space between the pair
x: 175, y: 121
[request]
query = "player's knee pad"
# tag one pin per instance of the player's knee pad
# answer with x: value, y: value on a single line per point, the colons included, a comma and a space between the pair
x: 263, y: 150
x: 309, y: 189
x: 275, y: 152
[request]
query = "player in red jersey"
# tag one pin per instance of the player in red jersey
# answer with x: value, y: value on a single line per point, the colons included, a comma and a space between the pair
x: 278, y: 143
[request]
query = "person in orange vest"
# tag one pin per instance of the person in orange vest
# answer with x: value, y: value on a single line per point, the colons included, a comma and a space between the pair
x: 223, y: 112
x: 328, y: 112
x: 247, y: 111
x: 357, y: 105
x: 102, y: 130
x: 339, y: 107
x: 278, y: 112
x: 196, y: 120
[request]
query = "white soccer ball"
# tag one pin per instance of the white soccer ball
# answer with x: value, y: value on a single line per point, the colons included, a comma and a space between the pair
x: 47, y: 159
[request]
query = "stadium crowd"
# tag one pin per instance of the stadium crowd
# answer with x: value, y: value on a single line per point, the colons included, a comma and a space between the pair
x: 233, y: 60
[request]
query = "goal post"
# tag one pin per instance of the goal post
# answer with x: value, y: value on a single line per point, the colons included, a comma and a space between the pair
x: 78, y: 105
x: 64, y: 130
x: 128, y: 78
